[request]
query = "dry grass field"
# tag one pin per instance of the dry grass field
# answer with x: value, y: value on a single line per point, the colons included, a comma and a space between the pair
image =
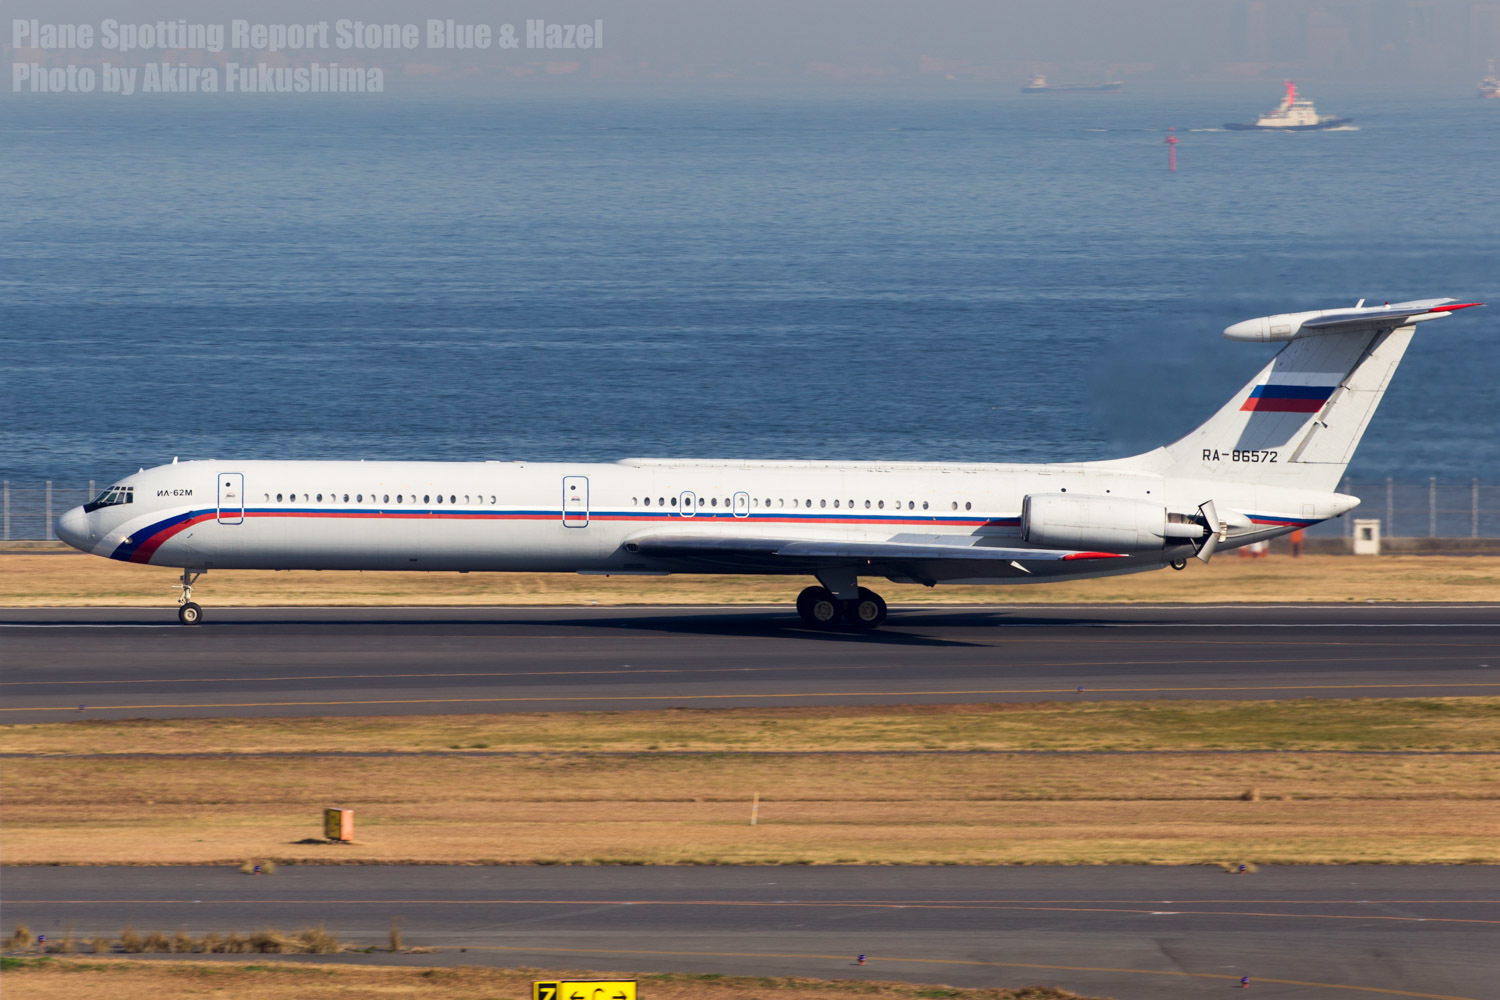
x: 1360, y: 724
x: 74, y: 579
x: 871, y: 806
x: 126, y: 979
x: 848, y: 809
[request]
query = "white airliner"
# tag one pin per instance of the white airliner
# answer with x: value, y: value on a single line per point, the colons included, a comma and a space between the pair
x: 1266, y: 464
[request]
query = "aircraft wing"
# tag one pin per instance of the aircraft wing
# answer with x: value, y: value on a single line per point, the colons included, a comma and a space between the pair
x: 753, y: 551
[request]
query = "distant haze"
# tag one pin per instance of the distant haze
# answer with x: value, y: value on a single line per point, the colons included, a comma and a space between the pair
x: 965, y: 47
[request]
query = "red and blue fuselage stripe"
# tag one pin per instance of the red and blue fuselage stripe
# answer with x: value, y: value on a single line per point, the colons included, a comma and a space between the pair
x: 1285, y: 522
x: 141, y: 545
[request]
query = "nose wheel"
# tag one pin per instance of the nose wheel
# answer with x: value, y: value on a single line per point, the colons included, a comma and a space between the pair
x: 188, y: 613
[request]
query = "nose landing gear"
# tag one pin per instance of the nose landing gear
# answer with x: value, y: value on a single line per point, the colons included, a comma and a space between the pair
x: 188, y: 613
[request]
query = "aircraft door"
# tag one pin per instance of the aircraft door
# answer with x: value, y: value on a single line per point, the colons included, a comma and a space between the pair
x: 575, y: 508
x: 742, y: 505
x: 231, y: 497
x: 687, y: 503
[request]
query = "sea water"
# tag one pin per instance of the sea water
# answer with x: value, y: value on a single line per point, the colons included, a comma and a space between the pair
x: 380, y: 276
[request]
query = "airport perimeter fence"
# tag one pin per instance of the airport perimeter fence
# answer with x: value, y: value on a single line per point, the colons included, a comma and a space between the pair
x: 1405, y: 510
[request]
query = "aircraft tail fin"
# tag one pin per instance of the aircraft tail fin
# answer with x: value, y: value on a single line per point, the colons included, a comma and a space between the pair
x: 1297, y: 423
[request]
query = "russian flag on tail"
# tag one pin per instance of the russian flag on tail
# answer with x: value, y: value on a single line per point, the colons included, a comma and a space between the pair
x: 1288, y: 398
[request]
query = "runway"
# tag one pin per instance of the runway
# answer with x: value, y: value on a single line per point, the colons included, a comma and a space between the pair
x: 120, y: 663
x: 1121, y: 932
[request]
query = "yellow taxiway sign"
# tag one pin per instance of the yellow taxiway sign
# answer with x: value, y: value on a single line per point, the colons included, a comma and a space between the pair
x: 584, y: 989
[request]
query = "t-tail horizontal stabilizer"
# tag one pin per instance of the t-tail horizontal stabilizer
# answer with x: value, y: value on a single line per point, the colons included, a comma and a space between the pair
x: 1362, y: 318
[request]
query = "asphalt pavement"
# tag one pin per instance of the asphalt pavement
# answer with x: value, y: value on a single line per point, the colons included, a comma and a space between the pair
x: 126, y: 663
x: 1131, y: 933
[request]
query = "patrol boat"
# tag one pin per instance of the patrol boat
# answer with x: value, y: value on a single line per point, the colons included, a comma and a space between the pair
x: 1293, y: 114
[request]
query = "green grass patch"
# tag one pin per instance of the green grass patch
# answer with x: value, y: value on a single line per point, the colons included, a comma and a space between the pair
x: 14, y: 962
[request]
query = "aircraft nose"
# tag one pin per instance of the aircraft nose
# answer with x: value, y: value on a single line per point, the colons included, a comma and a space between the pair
x: 73, y: 528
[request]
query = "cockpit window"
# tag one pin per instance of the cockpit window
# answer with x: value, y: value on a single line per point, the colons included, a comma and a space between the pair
x: 110, y: 497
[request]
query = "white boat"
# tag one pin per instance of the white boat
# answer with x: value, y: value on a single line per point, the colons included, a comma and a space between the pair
x: 1490, y: 85
x: 1038, y: 85
x: 1293, y: 114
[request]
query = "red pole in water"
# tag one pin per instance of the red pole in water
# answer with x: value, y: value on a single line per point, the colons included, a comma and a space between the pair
x: 1172, y: 149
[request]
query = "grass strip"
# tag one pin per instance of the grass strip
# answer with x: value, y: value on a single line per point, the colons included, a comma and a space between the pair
x: 1363, y: 724
x: 851, y: 809
x: 565, y: 804
x: 76, y: 579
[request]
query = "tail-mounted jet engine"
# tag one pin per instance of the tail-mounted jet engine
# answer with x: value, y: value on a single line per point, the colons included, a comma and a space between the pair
x: 1109, y: 524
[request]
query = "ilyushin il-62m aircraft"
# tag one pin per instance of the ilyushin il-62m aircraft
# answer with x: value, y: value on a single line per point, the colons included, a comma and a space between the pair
x: 1265, y: 464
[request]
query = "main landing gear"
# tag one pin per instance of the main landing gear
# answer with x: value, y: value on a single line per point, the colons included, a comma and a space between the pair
x: 188, y: 613
x: 819, y: 608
